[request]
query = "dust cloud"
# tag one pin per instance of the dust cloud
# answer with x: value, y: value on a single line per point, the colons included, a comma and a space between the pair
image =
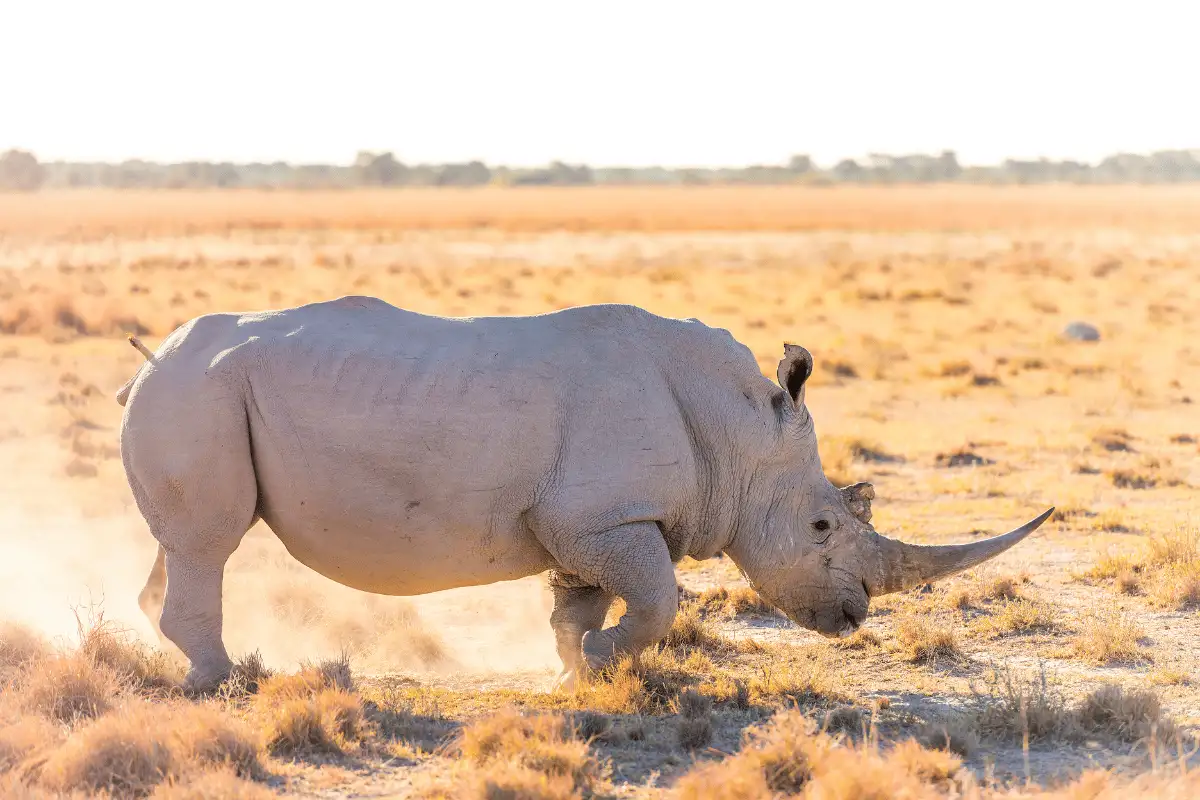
x: 55, y: 564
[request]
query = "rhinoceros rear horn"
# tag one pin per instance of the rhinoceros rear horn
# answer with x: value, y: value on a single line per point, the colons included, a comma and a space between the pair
x: 903, y: 566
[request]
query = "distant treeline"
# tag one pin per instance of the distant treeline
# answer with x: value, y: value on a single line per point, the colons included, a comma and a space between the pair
x: 21, y: 171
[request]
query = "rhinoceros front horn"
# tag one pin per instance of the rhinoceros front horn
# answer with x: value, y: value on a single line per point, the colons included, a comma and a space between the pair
x: 903, y: 566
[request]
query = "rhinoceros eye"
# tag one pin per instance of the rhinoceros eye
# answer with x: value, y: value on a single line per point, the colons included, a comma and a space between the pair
x: 822, y: 525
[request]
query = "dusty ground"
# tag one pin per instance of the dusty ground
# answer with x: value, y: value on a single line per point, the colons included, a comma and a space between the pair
x: 934, y: 316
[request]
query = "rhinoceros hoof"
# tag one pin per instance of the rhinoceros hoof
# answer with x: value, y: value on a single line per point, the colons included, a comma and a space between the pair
x: 597, y: 650
x: 205, y: 681
x: 567, y: 681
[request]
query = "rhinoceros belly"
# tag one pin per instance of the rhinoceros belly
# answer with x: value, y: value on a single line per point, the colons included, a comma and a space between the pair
x: 414, y: 539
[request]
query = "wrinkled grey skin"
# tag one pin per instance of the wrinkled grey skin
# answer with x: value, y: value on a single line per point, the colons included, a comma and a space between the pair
x: 401, y: 454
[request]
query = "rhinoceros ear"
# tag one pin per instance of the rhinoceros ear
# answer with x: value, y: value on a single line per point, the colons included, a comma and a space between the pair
x: 794, y: 369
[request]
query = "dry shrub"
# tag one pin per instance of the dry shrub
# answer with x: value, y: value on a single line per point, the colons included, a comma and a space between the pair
x: 116, y: 649
x: 732, y: 602
x: 69, y: 687
x: 1113, y: 440
x: 1111, y: 564
x: 23, y: 737
x: 861, y: 639
x: 139, y: 746
x: 213, y: 785
x: 203, y: 734
x: 618, y: 689
x: 695, y: 726
x: 791, y: 756
x: 1002, y: 587
x: 1017, y: 616
x: 330, y: 721
x: 125, y: 753
x: 958, y: 597
x: 1128, y: 715
x: 307, y: 682
x: 19, y: 647
x: 1132, y: 479
x: 312, y: 710
x: 955, y: 734
x: 840, y: 454
x: 926, y: 640
x: 692, y: 629
x: 1013, y: 707
x: 1107, y: 636
x: 539, y: 744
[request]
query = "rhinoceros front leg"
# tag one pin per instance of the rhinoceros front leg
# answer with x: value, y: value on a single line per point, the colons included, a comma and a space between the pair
x: 577, y: 610
x: 630, y: 562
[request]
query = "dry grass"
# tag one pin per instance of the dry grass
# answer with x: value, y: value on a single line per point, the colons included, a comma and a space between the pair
x: 928, y: 342
x: 140, y: 746
x: 1016, y: 617
x: 791, y: 756
x: 85, y: 215
x: 926, y: 640
x: 1107, y: 636
x: 530, y: 750
x: 735, y: 601
x: 66, y: 688
x: 19, y: 647
x: 1166, y: 570
x: 213, y: 785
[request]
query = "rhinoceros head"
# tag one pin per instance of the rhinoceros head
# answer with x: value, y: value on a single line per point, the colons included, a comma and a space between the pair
x: 810, y: 549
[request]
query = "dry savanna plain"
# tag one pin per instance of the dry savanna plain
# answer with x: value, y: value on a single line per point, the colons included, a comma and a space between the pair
x: 1066, y: 668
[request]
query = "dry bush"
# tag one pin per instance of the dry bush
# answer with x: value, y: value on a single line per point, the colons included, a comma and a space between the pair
x: 1110, y: 565
x: 116, y: 649
x: 135, y: 748
x: 19, y: 647
x: 213, y: 785
x: 692, y: 629
x: 695, y: 725
x: 1112, y: 440
x: 926, y: 640
x: 618, y: 689
x: 538, y: 744
x: 23, y: 737
x: 308, y: 681
x: 125, y: 752
x: 956, y: 734
x: 791, y: 756
x: 1016, y: 617
x: 312, y: 710
x: 328, y: 721
x: 861, y: 639
x: 1126, y: 714
x: 732, y: 602
x: 840, y: 454
x: 68, y: 687
x: 1107, y: 636
x: 1013, y: 707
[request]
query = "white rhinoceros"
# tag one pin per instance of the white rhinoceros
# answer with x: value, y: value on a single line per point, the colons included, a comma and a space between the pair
x: 400, y: 453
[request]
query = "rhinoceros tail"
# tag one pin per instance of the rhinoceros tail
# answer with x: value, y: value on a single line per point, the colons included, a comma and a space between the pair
x: 141, y: 348
x: 123, y: 392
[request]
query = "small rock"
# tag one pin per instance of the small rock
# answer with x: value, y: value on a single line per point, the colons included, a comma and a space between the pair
x: 1082, y: 332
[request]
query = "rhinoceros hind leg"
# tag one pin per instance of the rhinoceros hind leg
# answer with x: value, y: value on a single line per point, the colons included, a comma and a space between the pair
x: 195, y: 485
x: 191, y: 617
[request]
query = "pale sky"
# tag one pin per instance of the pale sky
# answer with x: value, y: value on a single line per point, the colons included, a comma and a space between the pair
x: 613, y: 83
